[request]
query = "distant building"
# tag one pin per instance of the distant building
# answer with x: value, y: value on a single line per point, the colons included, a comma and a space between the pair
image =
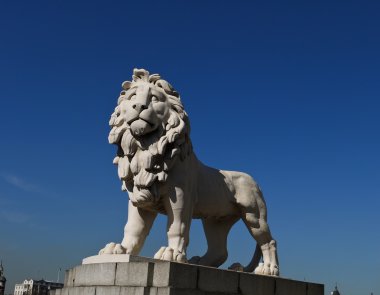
x: 335, y: 292
x: 36, y: 287
x: 3, y: 280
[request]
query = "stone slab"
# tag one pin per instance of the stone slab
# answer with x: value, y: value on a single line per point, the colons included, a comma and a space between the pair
x: 315, y: 289
x: 69, y: 277
x: 114, y: 258
x: 134, y: 291
x: 177, y: 275
x: 82, y: 291
x: 102, y: 274
x: 251, y: 284
x: 290, y: 287
x: 134, y: 274
x: 217, y: 280
x: 107, y: 290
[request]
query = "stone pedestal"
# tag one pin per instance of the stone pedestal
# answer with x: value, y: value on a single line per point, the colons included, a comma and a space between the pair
x: 142, y: 276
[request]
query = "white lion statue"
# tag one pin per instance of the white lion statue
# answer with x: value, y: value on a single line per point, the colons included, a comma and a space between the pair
x: 161, y: 173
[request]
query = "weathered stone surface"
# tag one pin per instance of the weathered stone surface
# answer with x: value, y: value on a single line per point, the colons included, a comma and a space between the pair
x: 134, y: 291
x: 102, y: 274
x: 216, y: 280
x: 69, y: 277
x: 250, y: 284
x: 153, y: 291
x: 134, y: 274
x: 290, y: 287
x: 171, y: 274
x: 108, y: 290
x: 81, y: 291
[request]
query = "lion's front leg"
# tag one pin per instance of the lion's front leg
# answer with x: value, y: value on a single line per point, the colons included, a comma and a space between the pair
x: 136, y: 230
x: 179, y: 219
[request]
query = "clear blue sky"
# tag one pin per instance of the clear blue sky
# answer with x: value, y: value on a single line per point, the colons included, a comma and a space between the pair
x: 288, y: 91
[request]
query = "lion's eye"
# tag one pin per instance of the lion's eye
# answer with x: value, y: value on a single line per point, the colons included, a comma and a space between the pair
x: 132, y: 97
x: 154, y: 98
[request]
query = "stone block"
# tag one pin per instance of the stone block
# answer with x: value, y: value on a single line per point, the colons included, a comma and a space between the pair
x: 134, y: 274
x: 69, y: 277
x: 107, y: 290
x: 217, y: 280
x: 153, y: 291
x: 134, y: 291
x: 95, y: 274
x: 172, y: 274
x: 65, y: 291
x: 315, y: 289
x: 251, y: 284
x: 163, y: 291
x: 290, y: 287
x: 82, y: 291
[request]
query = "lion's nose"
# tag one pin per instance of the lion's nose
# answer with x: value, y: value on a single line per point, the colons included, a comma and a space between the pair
x: 139, y: 107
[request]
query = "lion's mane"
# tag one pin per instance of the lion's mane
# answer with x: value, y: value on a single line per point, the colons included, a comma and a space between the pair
x: 144, y: 162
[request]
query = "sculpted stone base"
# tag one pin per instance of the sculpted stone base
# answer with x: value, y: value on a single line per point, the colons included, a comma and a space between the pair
x: 107, y: 258
x: 169, y: 278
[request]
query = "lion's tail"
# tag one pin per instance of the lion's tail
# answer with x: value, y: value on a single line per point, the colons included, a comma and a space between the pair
x: 255, y: 260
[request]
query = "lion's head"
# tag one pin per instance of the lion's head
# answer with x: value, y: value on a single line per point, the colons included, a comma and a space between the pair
x: 151, y: 129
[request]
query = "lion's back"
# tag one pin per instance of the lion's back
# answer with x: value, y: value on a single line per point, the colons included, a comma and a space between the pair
x: 216, y: 194
x: 246, y: 189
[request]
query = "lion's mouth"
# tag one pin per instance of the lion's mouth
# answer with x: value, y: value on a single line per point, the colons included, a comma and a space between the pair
x: 140, y: 127
x: 138, y: 118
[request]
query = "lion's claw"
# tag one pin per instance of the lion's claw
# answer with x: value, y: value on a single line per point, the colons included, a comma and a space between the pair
x: 112, y: 248
x: 167, y: 253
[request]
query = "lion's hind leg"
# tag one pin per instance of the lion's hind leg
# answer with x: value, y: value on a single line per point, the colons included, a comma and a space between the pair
x: 259, y: 229
x: 216, y: 231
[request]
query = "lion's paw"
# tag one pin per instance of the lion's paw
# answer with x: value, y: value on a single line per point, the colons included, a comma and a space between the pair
x: 267, y: 269
x: 167, y: 253
x: 112, y: 248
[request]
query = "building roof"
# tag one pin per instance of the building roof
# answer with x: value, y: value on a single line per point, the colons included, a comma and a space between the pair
x: 2, y: 278
x: 336, y: 291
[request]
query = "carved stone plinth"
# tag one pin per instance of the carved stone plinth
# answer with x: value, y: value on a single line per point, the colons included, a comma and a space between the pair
x: 152, y: 277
